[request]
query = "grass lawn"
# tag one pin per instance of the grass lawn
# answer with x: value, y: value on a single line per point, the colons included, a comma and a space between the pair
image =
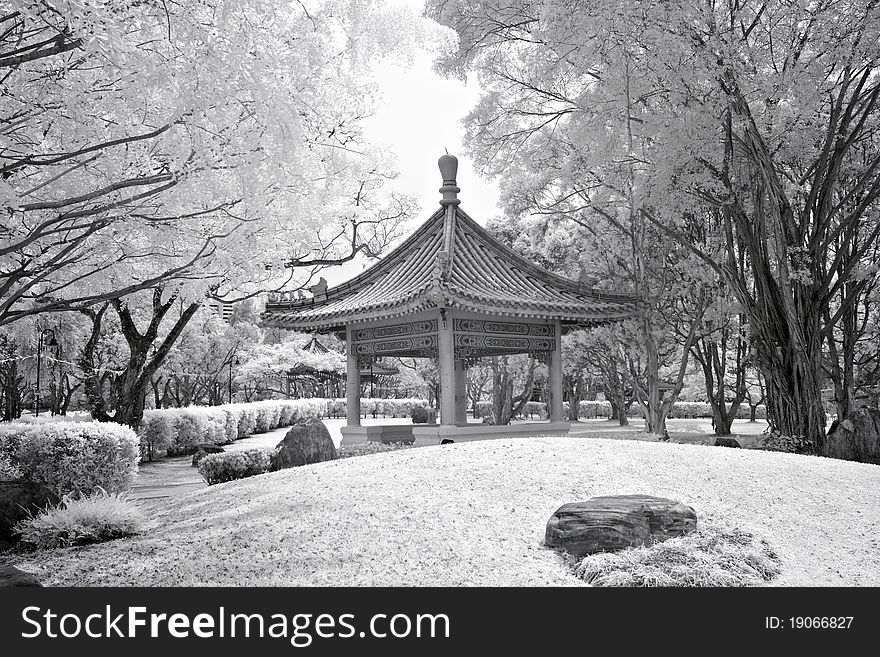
x: 474, y: 514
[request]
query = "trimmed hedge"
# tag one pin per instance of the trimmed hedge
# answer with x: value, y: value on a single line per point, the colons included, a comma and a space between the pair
x: 219, y: 468
x: 376, y: 406
x: 176, y: 431
x: 72, y: 457
x: 596, y: 409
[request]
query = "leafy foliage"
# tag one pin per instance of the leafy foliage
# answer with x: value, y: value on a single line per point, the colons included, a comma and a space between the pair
x: 73, y: 457
x: 95, y: 518
x: 220, y: 468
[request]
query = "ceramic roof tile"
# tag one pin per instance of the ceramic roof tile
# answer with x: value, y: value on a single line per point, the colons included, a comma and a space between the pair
x: 482, y: 275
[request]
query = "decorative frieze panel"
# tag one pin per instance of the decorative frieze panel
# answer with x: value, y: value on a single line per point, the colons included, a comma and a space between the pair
x: 395, y: 330
x: 494, y: 327
x: 470, y: 345
x: 420, y: 344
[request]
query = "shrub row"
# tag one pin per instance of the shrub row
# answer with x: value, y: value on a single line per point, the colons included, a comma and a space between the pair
x: 375, y: 407
x: 71, y: 457
x: 219, y: 468
x: 689, y: 410
x: 594, y: 409
x: 175, y: 431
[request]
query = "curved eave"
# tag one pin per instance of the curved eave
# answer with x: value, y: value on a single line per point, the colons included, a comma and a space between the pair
x: 567, y: 313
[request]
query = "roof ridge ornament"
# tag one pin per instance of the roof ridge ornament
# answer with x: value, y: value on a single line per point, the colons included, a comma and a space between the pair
x: 449, y: 169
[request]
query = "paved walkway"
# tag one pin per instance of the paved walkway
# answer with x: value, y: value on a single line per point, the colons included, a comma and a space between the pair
x: 175, y: 476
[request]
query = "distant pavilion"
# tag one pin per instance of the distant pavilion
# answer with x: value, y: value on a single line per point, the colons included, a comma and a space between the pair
x: 306, y: 381
x: 454, y: 293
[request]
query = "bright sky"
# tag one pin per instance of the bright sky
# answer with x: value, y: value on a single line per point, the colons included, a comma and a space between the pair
x: 419, y: 117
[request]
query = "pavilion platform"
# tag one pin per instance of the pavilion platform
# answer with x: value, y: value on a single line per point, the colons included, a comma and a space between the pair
x: 432, y: 434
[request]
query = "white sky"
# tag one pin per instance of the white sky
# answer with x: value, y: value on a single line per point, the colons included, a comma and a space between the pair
x: 419, y: 117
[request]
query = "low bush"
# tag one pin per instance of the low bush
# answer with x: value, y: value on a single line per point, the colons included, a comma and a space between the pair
x: 422, y: 415
x: 8, y: 470
x: 364, y: 449
x: 532, y: 408
x: 72, y: 457
x: 219, y: 468
x: 95, y: 518
x: 713, y: 556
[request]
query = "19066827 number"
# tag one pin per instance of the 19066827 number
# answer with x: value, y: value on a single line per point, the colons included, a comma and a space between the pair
x: 820, y: 622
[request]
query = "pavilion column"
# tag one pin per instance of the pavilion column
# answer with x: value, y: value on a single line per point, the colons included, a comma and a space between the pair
x: 460, y: 392
x: 352, y: 383
x: 555, y: 376
x: 447, y: 372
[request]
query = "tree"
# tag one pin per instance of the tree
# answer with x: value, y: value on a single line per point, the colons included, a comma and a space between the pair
x: 513, y: 380
x: 184, y: 151
x: 757, y: 120
x: 142, y: 140
x: 477, y: 385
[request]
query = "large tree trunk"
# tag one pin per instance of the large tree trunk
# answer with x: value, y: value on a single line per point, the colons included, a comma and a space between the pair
x: 505, y: 404
x: 712, y: 357
x: 127, y: 398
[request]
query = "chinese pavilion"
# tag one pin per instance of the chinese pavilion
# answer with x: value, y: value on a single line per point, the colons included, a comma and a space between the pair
x: 454, y: 293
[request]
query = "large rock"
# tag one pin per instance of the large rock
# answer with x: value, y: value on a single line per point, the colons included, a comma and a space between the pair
x: 203, y: 450
x: 306, y: 442
x: 19, y: 499
x: 721, y: 441
x: 607, y: 524
x: 12, y: 576
x: 857, y: 437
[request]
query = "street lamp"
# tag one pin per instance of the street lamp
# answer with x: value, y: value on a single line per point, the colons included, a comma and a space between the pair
x: 53, y: 343
x: 232, y: 361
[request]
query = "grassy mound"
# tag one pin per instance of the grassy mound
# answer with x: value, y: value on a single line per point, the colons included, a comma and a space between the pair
x: 713, y: 556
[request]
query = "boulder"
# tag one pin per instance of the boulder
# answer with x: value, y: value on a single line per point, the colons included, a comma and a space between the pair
x: 722, y: 441
x: 19, y: 499
x: 203, y: 450
x: 447, y: 441
x: 608, y: 524
x: 306, y: 442
x: 12, y: 576
x: 856, y: 437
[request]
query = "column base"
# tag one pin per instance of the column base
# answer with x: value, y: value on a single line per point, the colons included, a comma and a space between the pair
x: 433, y: 434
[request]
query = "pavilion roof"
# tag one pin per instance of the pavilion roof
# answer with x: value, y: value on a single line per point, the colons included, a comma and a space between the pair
x: 450, y: 261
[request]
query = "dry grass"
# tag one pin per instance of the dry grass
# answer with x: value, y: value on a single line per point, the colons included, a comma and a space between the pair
x: 474, y: 513
x: 712, y: 556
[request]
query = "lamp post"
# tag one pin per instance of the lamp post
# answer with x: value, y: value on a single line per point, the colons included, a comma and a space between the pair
x: 52, y: 342
x: 232, y: 361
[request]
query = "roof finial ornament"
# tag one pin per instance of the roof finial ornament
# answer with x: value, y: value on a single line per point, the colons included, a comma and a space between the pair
x: 448, y: 169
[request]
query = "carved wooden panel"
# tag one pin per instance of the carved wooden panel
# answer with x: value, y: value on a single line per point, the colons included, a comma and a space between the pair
x: 395, y: 330
x: 501, y: 327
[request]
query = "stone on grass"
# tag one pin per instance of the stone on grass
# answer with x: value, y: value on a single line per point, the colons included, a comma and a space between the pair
x: 19, y: 499
x: 306, y: 442
x: 856, y: 437
x: 722, y: 441
x: 12, y: 576
x: 203, y: 449
x: 615, y: 522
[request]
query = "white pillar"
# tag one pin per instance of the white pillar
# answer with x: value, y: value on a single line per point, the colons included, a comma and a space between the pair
x: 447, y: 371
x: 460, y: 392
x: 352, y: 383
x: 555, y: 375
